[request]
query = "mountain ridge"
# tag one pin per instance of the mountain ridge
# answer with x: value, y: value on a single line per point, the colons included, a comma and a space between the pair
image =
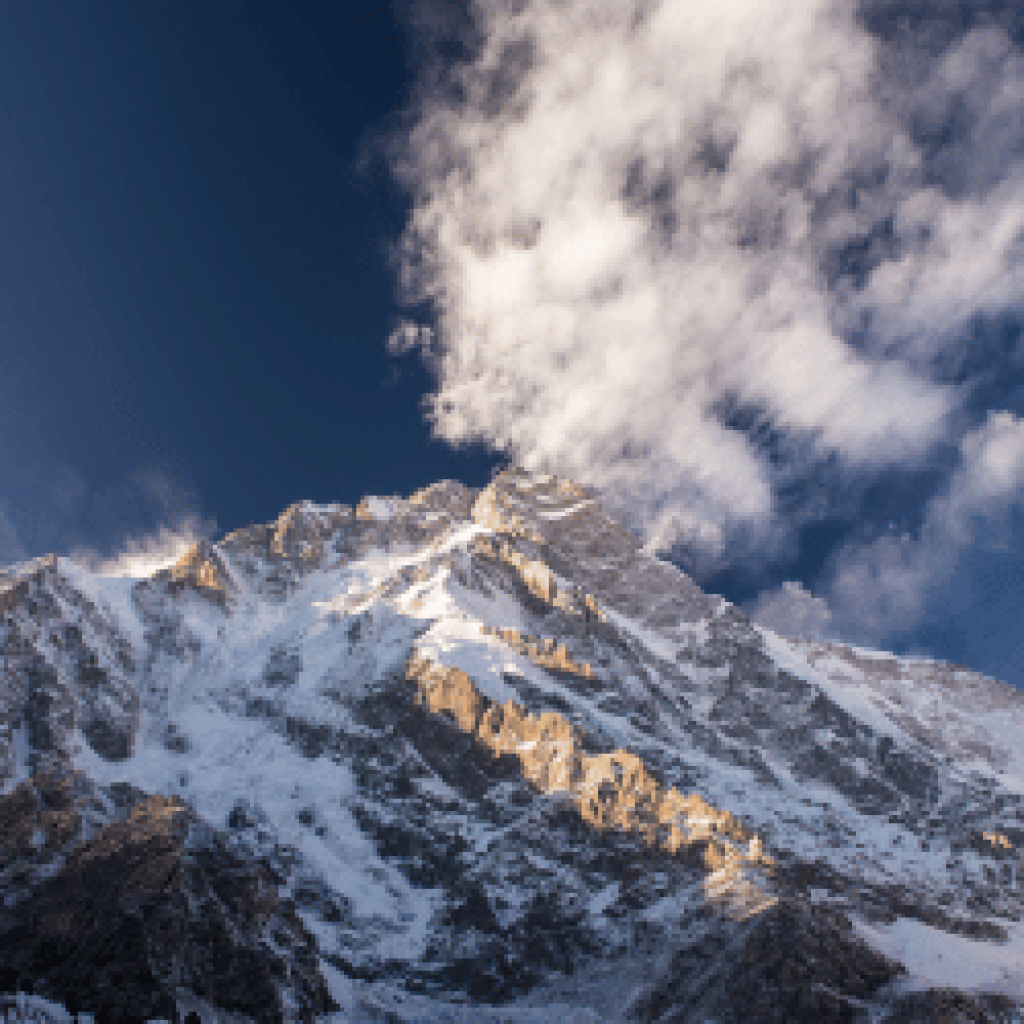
x: 450, y: 727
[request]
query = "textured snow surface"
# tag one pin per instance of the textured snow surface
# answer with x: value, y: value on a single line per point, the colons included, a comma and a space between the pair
x: 937, y: 959
x: 381, y: 509
x: 975, y: 719
x: 236, y: 759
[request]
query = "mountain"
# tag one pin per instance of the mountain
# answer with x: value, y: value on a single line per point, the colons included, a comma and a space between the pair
x: 472, y: 755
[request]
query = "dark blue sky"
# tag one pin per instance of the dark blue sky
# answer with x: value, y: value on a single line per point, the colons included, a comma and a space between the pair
x: 193, y: 275
x: 195, y: 293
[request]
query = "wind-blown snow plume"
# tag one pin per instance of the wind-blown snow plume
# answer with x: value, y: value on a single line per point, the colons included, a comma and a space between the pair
x: 144, y: 556
x: 143, y: 522
x: 701, y: 256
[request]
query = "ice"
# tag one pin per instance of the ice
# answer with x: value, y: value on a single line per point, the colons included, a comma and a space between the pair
x: 354, y: 624
x: 655, y: 642
x: 603, y: 899
x: 20, y: 749
x: 1006, y: 730
x: 241, y: 760
x: 30, y: 1009
x: 438, y: 788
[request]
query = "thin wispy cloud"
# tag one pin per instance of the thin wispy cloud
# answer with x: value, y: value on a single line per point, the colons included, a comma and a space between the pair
x: 143, y: 523
x: 143, y: 556
x: 882, y: 588
x: 702, y: 256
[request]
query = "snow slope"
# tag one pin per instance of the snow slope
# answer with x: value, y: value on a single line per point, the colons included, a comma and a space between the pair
x: 264, y: 681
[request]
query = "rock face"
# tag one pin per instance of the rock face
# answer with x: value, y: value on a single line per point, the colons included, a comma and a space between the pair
x: 148, y: 912
x: 790, y: 963
x: 609, y: 791
x: 66, y: 675
x: 472, y: 755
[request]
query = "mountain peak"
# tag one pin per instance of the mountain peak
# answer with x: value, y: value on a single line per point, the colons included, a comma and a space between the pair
x: 479, y: 757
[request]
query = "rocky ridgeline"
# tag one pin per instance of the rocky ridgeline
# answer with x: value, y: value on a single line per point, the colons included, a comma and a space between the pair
x: 563, y: 525
x: 603, y: 812
x: 537, y: 580
x: 274, y: 558
x: 542, y: 651
x: 610, y: 791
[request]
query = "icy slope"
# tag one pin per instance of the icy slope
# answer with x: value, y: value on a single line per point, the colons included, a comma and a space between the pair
x: 950, y: 709
x: 481, y: 741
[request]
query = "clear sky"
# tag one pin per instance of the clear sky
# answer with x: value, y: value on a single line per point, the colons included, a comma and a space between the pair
x: 194, y: 291
x: 754, y: 270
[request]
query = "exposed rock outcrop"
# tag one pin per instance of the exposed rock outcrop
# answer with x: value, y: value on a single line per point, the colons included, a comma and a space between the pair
x: 946, y: 1006
x: 146, y: 915
x: 66, y: 674
x: 202, y: 570
x: 610, y: 791
x: 792, y: 964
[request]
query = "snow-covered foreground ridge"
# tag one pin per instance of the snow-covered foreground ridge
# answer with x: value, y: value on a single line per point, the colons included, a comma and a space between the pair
x: 473, y: 755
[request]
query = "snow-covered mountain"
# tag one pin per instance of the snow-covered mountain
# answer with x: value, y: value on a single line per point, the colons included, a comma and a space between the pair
x: 474, y: 756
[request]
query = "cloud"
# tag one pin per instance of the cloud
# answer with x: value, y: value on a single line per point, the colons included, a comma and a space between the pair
x: 157, y: 520
x: 132, y: 527
x: 693, y: 255
x: 793, y: 611
x: 145, y: 555
x: 876, y: 590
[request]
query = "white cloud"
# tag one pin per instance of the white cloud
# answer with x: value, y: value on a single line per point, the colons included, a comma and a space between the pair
x: 794, y: 612
x: 630, y: 217
x: 142, y: 523
x: 145, y: 555
x: 879, y: 589
x: 176, y: 525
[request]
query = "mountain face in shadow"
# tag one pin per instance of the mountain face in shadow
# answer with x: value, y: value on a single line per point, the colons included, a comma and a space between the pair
x: 472, y: 756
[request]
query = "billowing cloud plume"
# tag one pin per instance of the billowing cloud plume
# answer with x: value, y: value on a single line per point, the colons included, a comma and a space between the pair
x: 171, y: 524
x: 701, y: 256
x: 794, y: 611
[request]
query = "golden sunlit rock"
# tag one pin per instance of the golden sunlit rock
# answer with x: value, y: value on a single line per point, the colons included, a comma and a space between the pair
x: 538, y: 579
x: 298, y: 533
x: 200, y: 569
x: 610, y: 791
x: 493, y: 511
x: 543, y: 652
x: 997, y: 839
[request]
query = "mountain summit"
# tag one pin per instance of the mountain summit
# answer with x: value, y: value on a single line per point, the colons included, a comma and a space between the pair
x: 473, y: 755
